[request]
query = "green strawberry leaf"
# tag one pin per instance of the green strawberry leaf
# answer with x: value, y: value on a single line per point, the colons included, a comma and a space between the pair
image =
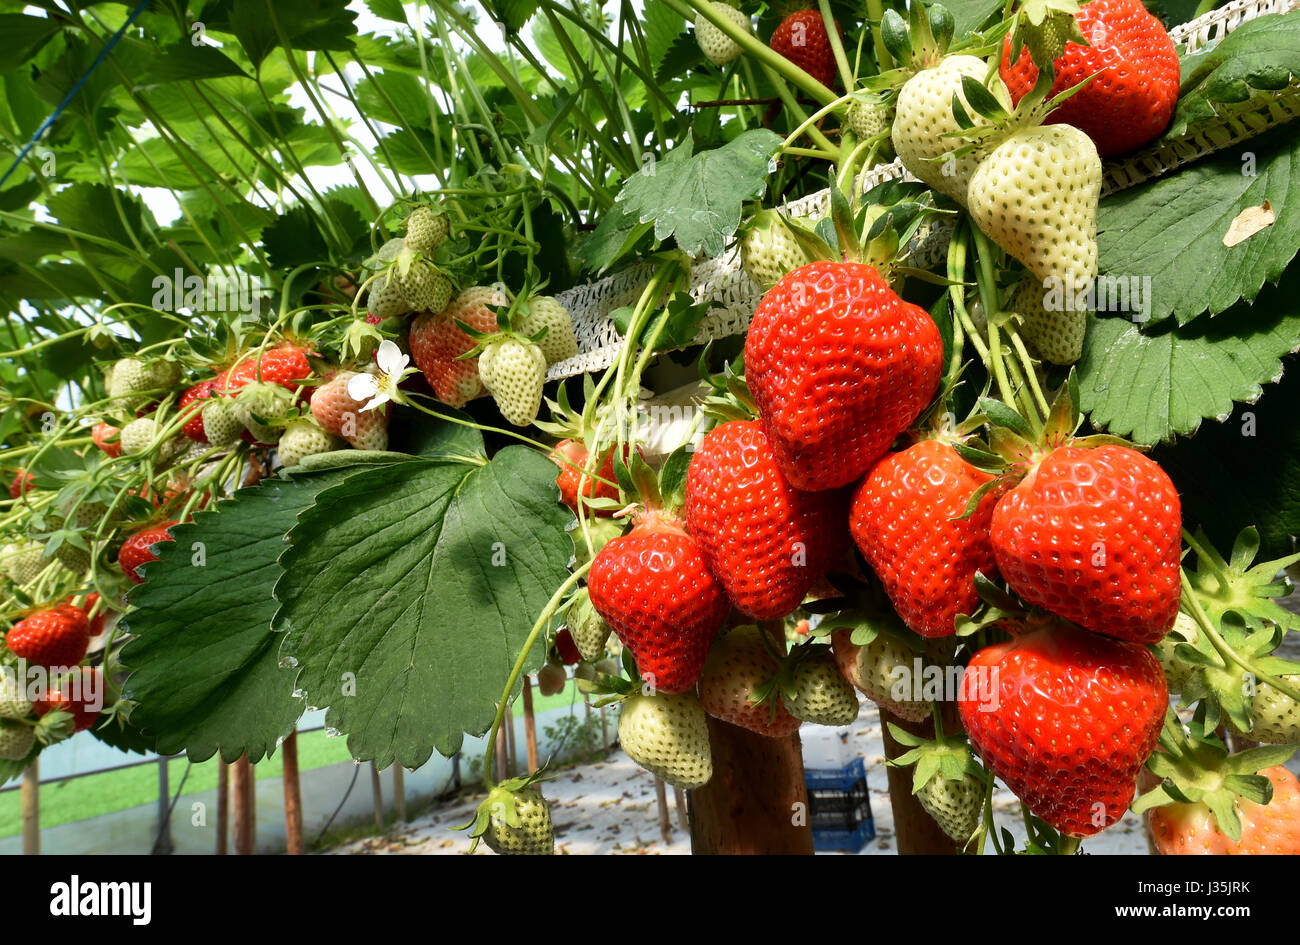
x: 409, y: 590
x: 1257, y: 59
x: 204, y: 660
x: 697, y: 198
x: 1150, y: 384
x: 1160, y: 244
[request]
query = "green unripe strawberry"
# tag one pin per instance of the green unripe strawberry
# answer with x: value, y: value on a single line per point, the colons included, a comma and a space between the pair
x: 1055, y: 335
x: 1036, y: 196
x: 423, y: 287
x: 519, y: 823
x: 822, y: 695
x: 768, y: 250
x: 545, y: 312
x: 876, y: 668
x: 76, y: 560
x: 923, y: 116
x: 588, y: 630
x: 22, y: 562
x: 221, y: 423
x: 16, y: 740
x: 668, y: 735
x: 426, y: 228
x: 514, y: 373
x: 600, y: 530
x: 928, y: 247
x: 1275, y: 716
x: 385, y: 299
x: 868, y: 117
x: 131, y: 376
x: 303, y: 438
x: 259, y: 405
x: 14, y: 703
x: 717, y: 46
x: 138, y: 436
x: 1185, y: 630
x: 956, y: 806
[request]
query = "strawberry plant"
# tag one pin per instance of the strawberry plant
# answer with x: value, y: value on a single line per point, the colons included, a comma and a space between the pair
x: 375, y: 360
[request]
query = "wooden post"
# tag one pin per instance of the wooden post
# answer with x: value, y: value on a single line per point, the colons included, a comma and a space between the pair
x: 530, y: 725
x: 756, y: 796
x: 512, y: 757
x: 665, y: 822
x: 915, y: 831
x: 399, y: 792
x: 223, y: 805
x: 31, y: 805
x: 503, y: 756
x: 293, y: 842
x: 245, y: 827
x: 679, y: 800
x: 377, y: 792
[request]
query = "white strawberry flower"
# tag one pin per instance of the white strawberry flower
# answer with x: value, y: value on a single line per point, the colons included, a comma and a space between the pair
x: 380, y: 387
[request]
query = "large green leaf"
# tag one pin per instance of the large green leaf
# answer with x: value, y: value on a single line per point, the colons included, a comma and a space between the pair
x: 24, y: 36
x: 1150, y: 385
x: 205, y: 664
x: 1245, y: 470
x: 1171, y: 230
x: 409, y: 591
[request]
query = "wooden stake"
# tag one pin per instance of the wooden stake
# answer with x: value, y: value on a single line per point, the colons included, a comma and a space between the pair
x: 915, y: 831
x: 292, y: 797
x: 530, y: 725
x: 164, y: 839
x: 223, y: 806
x: 241, y: 784
x: 377, y: 792
x: 399, y: 792
x: 665, y: 822
x: 31, y: 805
x: 512, y: 761
x: 757, y: 801
x: 679, y: 800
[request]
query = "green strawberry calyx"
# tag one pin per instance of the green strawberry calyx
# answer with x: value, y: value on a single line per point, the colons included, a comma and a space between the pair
x: 1195, y: 767
x: 947, y: 758
x: 499, y: 806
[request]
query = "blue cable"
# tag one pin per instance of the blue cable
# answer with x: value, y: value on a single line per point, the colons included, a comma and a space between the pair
x: 54, y: 116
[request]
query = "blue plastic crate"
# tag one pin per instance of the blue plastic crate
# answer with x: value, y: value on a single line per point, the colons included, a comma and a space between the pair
x: 849, y: 841
x: 835, y: 779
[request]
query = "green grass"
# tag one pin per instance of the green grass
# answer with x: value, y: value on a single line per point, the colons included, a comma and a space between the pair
x: 79, y: 798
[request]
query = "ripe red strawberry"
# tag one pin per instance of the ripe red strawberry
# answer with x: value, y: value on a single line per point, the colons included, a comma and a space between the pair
x: 83, y: 697
x: 653, y: 588
x: 96, y: 623
x: 437, y: 344
x: 1066, y: 719
x: 285, y: 364
x: 567, y: 649
x: 23, y: 483
x: 760, y: 536
x: 58, y: 636
x: 336, y: 412
x: 838, y: 365
x: 569, y: 478
x: 802, y: 38
x: 138, y: 549
x: 1094, y: 535
x: 1133, y: 97
x: 904, y: 522
x: 199, y: 392
x: 1266, y: 829
x: 738, y: 664
x: 106, y: 437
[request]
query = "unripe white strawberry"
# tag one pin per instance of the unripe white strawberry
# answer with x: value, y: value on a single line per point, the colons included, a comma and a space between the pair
x: 423, y: 287
x: 872, y: 669
x: 534, y: 834
x: 301, y: 439
x: 822, y: 696
x: 717, y: 46
x: 1275, y: 716
x: 259, y: 405
x: 22, y: 562
x: 1055, y: 335
x: 76, y: 560
x: 928, y: 247
x: 16, y: 740
x: 385, y: 298
x: 221, y: 424
x: 132, y: 376
x: 1036, y: 195
x: 545, y: 312
x: 425, y: 230
x: 588, y: 629
x: 514, y: 373
x: 954, y: 805
x: 14, y: 703
x: 868, y: 117
x: 923, y: 115
x: 668, y: 735
x: 139, y: 435
x: 768, y: 250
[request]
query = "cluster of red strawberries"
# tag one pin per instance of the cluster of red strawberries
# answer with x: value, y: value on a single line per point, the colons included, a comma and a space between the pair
x: 1089, y: 536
